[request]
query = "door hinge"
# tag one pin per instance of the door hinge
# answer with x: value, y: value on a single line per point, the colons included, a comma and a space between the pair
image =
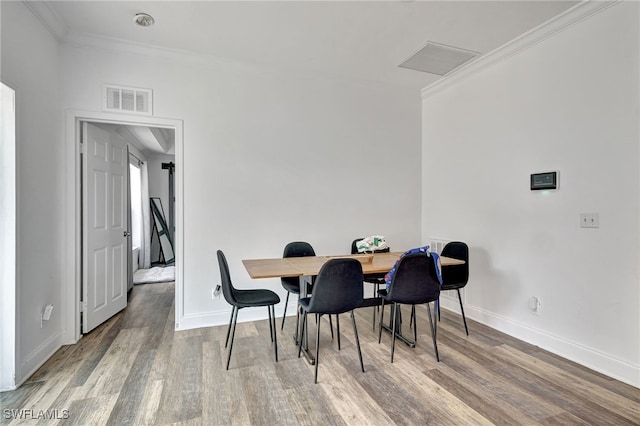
x: 81, y: 148
x: 83, y: 305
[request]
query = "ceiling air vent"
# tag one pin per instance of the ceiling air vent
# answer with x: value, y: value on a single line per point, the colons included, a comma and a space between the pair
x: 438, y: 59
x: 127, y: 99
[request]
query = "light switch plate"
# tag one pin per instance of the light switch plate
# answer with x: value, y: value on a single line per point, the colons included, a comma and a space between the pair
x: 589, y: 220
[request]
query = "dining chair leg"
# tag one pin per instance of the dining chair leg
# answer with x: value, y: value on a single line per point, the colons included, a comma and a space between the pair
x: 376, y: 287
x: 302, y: 332
x: 270, y: 324
x: 233, y: 333
x: 305, y: 331
x: 394, y: 313
x: 415, y: 323
x: 433, y: 333
x: 462, y: 311
x: 435, y: 323
x: 233, y: 310
x: 298, y: 339
x: 338, y: 329
x: 381, y: 318
x: 413, y: 316
x: 315, y: 377
x: 438, y: 304
x: 331, y: 325
x: 286, y: 302
x: 275, y: 335
x: 355, y: 332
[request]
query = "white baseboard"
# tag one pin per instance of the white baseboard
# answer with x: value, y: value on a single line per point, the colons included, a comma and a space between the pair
x: 583, y: 355
x: 212, y: 319
x: 37, y: 358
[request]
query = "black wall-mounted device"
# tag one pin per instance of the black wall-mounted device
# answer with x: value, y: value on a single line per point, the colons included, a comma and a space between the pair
x: 548, y: 180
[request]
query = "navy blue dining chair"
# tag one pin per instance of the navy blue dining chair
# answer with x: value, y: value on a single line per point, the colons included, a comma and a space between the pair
x: 415, y: 282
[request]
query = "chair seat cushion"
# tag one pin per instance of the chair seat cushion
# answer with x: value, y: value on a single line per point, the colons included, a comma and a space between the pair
x: 374, y: 278
x: 304, y: 303
x: 452, y: 286
x: 248, y: 298
x: 290, y: 287
x: 371, y: 301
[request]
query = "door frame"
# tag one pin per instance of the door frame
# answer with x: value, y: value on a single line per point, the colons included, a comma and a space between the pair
x: 71, y: 331
x: 9, y: 271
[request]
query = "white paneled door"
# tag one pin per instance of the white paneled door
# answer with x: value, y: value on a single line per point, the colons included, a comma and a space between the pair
x: 104, y: 192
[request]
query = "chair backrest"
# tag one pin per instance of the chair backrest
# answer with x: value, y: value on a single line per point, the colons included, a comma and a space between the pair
x: 415, y: 280
x: 227, y: 287
x: 354, y: 247
x: 456, y: 274
x: 338, y: 287
x: 296, y: 249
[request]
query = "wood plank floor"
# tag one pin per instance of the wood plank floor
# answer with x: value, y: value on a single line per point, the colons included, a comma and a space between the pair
x: 134, y: 369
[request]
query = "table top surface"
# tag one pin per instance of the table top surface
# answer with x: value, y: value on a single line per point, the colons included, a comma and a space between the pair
x: 310, y: 265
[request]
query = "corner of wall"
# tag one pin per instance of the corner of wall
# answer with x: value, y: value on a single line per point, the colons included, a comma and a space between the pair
x: 37, y: 358
x: 547, y: 29
x: 589, y: 357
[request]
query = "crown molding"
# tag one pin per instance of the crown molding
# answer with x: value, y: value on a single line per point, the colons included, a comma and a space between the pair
x: 550, y: 28
x: 138, y: 49
x: 80, y: 40
x: 49, y: 18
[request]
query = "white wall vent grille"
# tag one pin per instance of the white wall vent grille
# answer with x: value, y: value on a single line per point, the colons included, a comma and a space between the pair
x: 436, y: 245
x: 127, y: 99
x: 438, y: 59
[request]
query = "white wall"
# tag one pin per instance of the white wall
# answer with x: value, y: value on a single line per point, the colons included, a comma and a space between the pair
x: 29, y: 58
x: 269, y: 158
x: 569, y: 103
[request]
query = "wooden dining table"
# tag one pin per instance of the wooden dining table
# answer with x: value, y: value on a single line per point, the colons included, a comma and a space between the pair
x: 310, y: 265
x: 307, y: 267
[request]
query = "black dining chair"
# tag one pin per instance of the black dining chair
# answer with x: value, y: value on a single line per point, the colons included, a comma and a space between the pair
x: 415, y: 282
x: 292, y: 284
x: 337, y: 289
x: 376, y: 279
x: 455, y: 277
x: 239, y: 299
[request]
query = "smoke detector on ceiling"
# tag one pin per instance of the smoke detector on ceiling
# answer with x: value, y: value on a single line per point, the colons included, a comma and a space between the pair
x: 143, y: 19
x: 438, y: 59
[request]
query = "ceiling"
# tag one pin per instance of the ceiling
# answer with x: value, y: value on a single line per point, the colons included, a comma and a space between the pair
x: 148, y: 140
x: 364, y: 40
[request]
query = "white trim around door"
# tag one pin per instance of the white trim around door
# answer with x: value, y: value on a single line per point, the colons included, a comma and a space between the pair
x: 72, y: 245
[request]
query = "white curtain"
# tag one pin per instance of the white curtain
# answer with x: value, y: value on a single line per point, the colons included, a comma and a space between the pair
x: 144, y: 260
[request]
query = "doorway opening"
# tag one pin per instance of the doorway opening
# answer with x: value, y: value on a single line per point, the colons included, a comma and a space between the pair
x: 128, y: 128
x: 8, y: 229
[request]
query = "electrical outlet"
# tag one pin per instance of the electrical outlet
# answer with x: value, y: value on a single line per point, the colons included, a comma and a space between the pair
x: 535, y: 304
x: 215, y: 292
x: 589, y: 220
